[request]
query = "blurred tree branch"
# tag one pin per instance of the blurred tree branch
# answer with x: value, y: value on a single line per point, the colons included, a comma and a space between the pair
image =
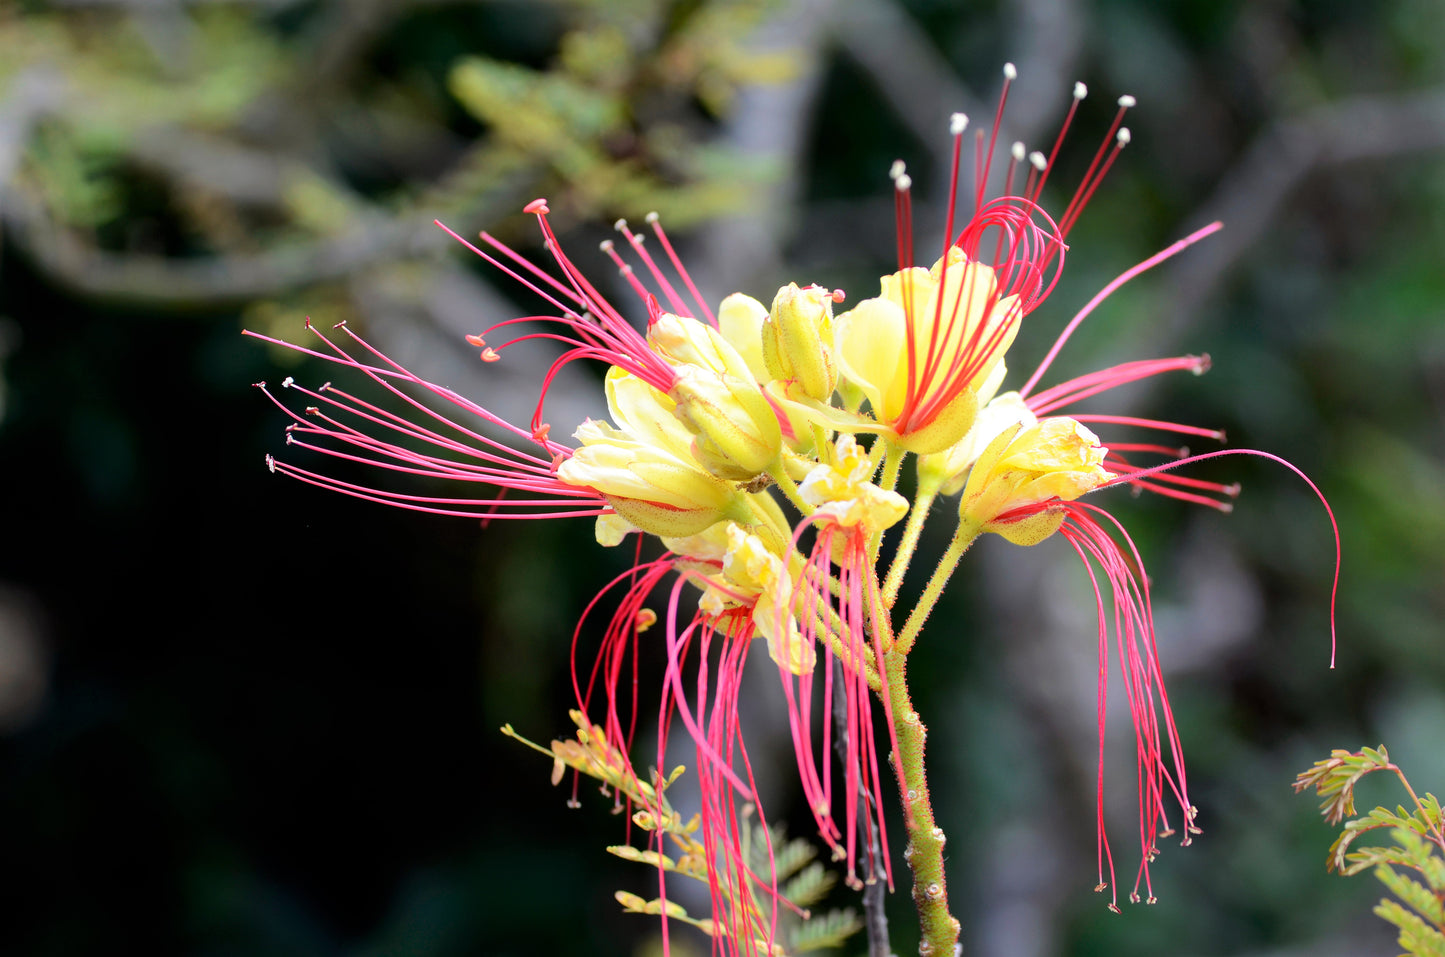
x: 611, y: 124
x: 1250, y: 194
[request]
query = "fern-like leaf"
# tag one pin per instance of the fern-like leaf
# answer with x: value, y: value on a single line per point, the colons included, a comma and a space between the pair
x: 809, y: 885
x: 825, y: 931
x: 1412, y: 892
x: 1418, y: 938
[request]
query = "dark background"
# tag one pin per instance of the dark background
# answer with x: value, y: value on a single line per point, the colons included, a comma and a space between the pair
x: 242, y: 716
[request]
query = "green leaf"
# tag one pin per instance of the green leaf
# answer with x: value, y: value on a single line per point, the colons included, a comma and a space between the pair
x: 810, y: 885
x: 1415, y: 936
x: 825, y: 931
x: 1413, y: 893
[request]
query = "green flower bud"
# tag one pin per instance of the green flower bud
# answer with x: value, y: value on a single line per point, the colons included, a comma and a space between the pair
x: 798, y: 340
x: 736, y: 433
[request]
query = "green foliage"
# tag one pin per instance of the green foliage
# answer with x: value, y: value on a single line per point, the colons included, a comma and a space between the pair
x: 802, y: 881
x: 1417, y: 837
x: 230, y: 130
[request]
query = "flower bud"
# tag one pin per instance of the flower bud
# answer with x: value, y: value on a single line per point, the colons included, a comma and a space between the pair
x: 646, y: 485
x: 1057, y: 459
x: 797, y: 340
x: 842, y: 493
x: 684, y: 341
x: 737, y: 435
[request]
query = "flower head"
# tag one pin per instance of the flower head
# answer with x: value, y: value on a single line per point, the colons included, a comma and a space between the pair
x: 734, y: 440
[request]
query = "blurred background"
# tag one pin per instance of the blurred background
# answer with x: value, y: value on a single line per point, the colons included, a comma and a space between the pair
x: 243, y: 716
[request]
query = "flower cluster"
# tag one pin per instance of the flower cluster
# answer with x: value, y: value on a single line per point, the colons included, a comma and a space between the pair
x: 762, y: 446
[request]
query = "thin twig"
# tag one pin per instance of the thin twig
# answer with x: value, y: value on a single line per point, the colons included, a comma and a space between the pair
x: 875, y: 892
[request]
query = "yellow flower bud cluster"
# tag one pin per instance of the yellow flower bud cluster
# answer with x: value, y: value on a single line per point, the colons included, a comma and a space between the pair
x: 1054, y: 460
x: 770, y: 396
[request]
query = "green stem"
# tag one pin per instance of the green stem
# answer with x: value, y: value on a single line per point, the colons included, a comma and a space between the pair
x: 962, y: 538
x: 892, y: 461
x: 821, y: 445
x: 927, y: 492
x: 789, y: 488
x: 888, y: 481
x: 938, y: 930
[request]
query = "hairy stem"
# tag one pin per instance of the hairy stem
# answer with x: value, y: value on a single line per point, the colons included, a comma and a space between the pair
x: 909, y: 543
x: 961, y: 540
x: 789, y: 488
x: 938, y: 929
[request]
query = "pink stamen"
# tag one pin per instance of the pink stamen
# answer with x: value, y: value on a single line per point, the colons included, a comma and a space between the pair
x: 1103, y: 380
x: 1108, y: 290
x: 636, y: 242
x: 623, y: 269
x: 656, y: 223
x: 1009, y: 75
x: 1152, y: 424
x: 1334, y: 525
x: 470, y: 456
x: 1080, y: 91
x: 1090, y: 182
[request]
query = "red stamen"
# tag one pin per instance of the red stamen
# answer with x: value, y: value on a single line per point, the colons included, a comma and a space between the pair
x: 656, y: 223
x: 1108, y: 290
x: 1080, y: 91
x: 636, y: 242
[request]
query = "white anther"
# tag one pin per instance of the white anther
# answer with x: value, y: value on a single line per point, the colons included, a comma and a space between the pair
x: 1019, y: 152
x: 638, y: 239
x: 1038, y: 160
x: 620, y: 225
x: 1123, y: 135
x: 1126, y: 101
x: 324, y: 386
x: 896, y: 170
x: 957, y: 123
x: 290, y: 440
x: 903, y: 183
x: 605, y: 245
x: 287, y: 382
x: 652, y: 217
x: 1080, y: 91
x: 1010, y: 72
x: 271, y: 463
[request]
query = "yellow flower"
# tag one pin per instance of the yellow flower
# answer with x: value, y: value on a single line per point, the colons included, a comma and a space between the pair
x: 684, y: 341
x: 922, y: 349
x: 740, y: 321
x: 644, y: 467
x: 737, y: 435
x: 753, y: 574
x: 842, y: 494
x: 1057, y: 459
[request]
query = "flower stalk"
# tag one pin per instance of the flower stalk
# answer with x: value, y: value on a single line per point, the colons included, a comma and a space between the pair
x: 939, y: 930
